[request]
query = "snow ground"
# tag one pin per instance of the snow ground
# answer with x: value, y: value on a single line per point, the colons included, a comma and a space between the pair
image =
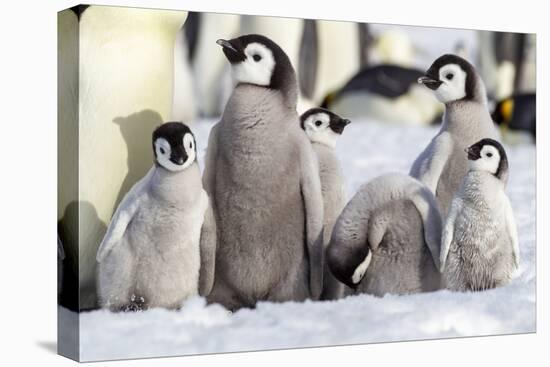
x: 367, y: 149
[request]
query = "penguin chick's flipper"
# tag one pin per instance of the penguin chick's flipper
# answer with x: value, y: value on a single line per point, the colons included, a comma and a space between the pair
x: 313, y: 209
x: 429, y: 165
x: 448, y: 231
x: 209, y: 173
x: 348, y: 253
x: 512, y: 231
x: 123, y: 215
x: 427, y: 207
x: 208, y: 251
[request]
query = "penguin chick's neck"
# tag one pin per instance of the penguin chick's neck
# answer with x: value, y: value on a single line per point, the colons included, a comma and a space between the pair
x: 249, y: 104
x: 324, y: 138
x: 288, y: 90
x: 176, y: 187
x: 478, y: 95
x: 481, y: 187
x: 469, y: 119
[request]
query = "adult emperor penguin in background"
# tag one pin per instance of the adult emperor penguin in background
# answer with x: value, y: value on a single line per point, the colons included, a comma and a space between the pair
x: 184, y: 105
x: 387, y: 238
x: 516, y: 117
x: 480, y: 248
x: 115, y: 78
x: 262, y: 175
x: 208, y: 65
x: 160, y: 246
x: 323, y: 129
x: 339, y: 55
x: 507, y: 62
x: 388, y: 93
x: 442, y: 165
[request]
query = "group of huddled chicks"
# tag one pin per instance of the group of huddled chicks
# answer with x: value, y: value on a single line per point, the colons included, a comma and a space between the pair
x: 268, y: 219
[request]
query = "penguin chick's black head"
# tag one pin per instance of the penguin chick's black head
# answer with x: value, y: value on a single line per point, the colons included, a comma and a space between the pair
x: 451, y: 77
x: 484, y: 152
x: 174, y: 146
x: 318, y: 116
x: 255, y: 59
x: 348, y: 264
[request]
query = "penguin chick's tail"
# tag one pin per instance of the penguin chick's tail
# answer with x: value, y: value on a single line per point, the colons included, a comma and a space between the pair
x: 355, y: 233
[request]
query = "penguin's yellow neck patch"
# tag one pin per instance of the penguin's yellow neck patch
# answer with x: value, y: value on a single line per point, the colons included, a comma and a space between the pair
x: 506, y: 109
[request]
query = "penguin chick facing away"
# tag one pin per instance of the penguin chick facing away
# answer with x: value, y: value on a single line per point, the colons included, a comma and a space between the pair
x: 262, y: 175
x: 323, y: 128
x: 159, y: 248
x: 442, y: 165
x: 480, y: 248
x: 387, y: 238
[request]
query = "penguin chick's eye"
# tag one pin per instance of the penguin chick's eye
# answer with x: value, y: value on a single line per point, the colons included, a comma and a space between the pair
x: 190, y: 145
x: 318, y: 123
x: 449, y: 76
x: 256, y: 57
x: 489, y: 155
x: 162, y: 151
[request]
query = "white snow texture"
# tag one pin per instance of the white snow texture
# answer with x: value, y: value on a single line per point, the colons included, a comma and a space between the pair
x: 366, y: 149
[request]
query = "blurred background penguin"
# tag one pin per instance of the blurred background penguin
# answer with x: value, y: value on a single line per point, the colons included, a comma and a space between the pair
x: 364, y: 71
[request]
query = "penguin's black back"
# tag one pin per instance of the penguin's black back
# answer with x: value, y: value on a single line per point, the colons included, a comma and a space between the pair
x: 524, y: 113
x: 191, y: 29
x: 390, y: 81
x: 79, y: 10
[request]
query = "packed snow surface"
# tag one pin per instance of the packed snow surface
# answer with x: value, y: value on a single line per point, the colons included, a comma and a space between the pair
x: 366, y: 149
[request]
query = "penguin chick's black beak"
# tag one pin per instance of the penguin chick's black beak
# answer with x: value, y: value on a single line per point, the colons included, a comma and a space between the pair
x: 233, y: 52
x: 338, y: 125
x: 429, y: 82
x: 178, y: 156
x: 473, y: 154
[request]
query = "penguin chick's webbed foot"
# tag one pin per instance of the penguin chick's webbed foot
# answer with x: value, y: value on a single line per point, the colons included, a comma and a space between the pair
x: 137, y: 304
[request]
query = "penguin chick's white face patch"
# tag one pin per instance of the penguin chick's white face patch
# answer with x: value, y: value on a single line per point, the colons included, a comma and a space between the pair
x: 453, y: 83
x: 317, y: 127
x: 257, y: 68
x: 361, y: 269
x: 488, y: 161
x: 163, y: 150
x: 189, y: 146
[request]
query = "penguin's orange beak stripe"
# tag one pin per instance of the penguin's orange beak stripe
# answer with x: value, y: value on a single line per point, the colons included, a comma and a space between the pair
x: 506, y: 110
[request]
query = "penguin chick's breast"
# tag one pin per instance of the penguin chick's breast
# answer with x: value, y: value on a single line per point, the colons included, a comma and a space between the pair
x: 332, y: 186
x: 164, y: 237
x: 402, y: 263
x: 259, y: 204
x: 480, y: 255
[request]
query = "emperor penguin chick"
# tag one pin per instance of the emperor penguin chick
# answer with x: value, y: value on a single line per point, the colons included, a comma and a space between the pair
x: 160, y: 245
x: 442, y: 165
x: 323, y: 128
x: 262, y: 175
x: 480, y: 248
x: 387, y: 238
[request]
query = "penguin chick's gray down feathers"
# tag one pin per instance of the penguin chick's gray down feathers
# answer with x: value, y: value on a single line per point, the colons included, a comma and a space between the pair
x: 263, y: 178
x: 323, y: 128
x: 387, y: 238
x: 160, y: 245
x: 480, y: 248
